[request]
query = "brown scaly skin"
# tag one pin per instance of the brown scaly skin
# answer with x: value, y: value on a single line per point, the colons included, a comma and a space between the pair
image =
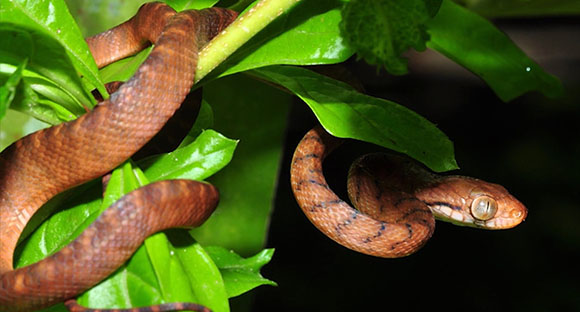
x: 47, y: 162
x: 397, y: 200
x: 43, y: 164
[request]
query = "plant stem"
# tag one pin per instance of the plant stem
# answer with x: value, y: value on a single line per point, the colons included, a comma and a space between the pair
x: 239, y: 32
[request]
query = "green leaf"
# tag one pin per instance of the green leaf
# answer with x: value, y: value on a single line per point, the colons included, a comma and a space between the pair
x: 247, y: 185
x: 8, y: 90
x: 307, y: 35
x: 134, y: 283
x: 476, y: 44
x: 124, y: 69
x: 241, y: 275
x: 76, y: 209
x: 37, y: 96
x: 56, y: 79
x: 346, y: 113
x: 52, y: 20
x: 381, y: 30
x: 209, y: 153
x: 206, y: 279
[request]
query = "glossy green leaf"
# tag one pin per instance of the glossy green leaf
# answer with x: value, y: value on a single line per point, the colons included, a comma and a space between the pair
x: 203, y: 273
x: 73, y: 208
x: 476, y: 44
x: 122, y: 181
x: 124, y: 69
x: 381, y: 30
x: 41, y: 98
x: 346, y: 113
x: 209, y: 153
x: 52, y: 21
x: 247, y: 185
x: 8, y: 89
x: 133, y: 284
x: 309, y: 34
x: 241, y: 274
x: 56, y: 78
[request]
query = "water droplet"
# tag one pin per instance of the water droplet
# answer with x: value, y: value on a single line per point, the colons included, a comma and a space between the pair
x: 528, y: 68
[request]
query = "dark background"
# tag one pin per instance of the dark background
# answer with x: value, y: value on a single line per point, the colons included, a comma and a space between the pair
x: 530, y: 145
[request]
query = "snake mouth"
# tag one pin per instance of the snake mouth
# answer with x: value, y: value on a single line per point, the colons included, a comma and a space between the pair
x: 453, y: 214
x: 457, y: 216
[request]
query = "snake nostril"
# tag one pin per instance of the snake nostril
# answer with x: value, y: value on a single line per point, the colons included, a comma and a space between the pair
x: 516, y: 213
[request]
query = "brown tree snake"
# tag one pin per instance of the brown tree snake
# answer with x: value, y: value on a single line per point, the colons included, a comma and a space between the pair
x: 397, y: 200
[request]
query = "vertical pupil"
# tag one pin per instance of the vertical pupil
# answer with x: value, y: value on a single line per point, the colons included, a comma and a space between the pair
x: 484, y: 206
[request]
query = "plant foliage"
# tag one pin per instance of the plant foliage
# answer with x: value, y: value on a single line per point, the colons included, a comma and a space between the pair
x: 47, y: 72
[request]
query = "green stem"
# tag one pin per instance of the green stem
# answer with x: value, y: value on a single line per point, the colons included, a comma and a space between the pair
x: 239, y: 32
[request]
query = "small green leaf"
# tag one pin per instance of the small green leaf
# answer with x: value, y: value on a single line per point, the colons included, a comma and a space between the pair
x: 209, y: 153
x: 56, y: 78
x: 241, y: 274
x: 8, y: 90
x: 346, y: 113
x: 124, y: 69
x: 122, y: 181
x: 476, y: 44
x: 205, y: 278
x: 381, y: 30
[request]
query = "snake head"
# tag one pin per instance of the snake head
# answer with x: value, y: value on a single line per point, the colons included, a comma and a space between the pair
x: 476, y: 203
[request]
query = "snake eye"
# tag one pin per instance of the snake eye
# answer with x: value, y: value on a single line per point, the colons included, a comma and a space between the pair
x: 483, y: 208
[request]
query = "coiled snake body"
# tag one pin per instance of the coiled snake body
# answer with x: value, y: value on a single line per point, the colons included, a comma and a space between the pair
x: 47, y: 162
x: 397, y: 200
